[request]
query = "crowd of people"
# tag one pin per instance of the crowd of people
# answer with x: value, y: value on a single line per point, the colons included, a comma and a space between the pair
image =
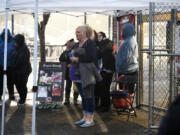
x: 18, y: 65
x: 91, y: 64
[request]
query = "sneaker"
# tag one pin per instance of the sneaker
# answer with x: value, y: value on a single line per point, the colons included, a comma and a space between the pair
x: 80, y: 122
x: 21, y: 102
x: 87, y: 124
x: 131, y: 112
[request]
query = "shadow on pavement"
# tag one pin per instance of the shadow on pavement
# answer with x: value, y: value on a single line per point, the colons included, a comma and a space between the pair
x: 61, y: 121
x: 15, y: 122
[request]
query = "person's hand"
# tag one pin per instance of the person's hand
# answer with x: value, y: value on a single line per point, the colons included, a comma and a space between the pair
x: 74, y: 59
x: 68, y: 65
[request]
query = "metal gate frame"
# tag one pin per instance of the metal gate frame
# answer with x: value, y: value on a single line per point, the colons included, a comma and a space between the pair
x: 152, y: 55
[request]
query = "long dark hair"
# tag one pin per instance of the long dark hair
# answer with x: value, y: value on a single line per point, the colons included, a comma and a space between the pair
x: 103, y: 34
x: 95, y: 37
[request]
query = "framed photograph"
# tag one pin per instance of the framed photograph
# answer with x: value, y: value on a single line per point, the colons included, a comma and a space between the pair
x: 42, y: 91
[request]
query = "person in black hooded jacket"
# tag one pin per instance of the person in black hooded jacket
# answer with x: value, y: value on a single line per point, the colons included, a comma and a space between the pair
x: 107, y: 71
x: 21, y: 66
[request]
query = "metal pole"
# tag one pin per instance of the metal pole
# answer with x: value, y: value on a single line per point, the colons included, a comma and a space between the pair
x: 85, y: 18
x: 4, y: 69
x: 150, y: 66
x: 35, y: 67
x: 152, y: 51
x: 172, y: 51
x: 109, y: 26
x: 117, y: 38
x: 12, y: 24
x: 117, y: 33
x: 139, y: 93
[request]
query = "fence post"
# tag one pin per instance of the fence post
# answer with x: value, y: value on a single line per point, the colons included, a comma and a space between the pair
x: 139, y: 92
x: 172, y: 51
x: 151, y: 6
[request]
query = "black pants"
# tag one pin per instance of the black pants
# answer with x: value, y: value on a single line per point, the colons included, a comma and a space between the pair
x: 105, y: 89
x: 128, y: 86
x: 68, y: 89
x: 20, y: 82
x: 97, y: 93
x: 10, y: 83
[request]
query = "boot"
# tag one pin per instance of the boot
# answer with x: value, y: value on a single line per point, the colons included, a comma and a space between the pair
x: 67, y: 102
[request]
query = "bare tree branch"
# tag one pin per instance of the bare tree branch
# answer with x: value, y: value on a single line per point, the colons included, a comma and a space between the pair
x: 41, y: 33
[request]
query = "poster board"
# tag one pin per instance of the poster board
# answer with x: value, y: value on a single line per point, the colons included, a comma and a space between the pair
x: 130, y: 18
x: 177, y: 51
x: 51, y: 81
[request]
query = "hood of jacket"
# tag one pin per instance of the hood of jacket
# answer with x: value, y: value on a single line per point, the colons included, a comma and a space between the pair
x: 2, y: 35
x: 127, y: 31
x: 10, y: 48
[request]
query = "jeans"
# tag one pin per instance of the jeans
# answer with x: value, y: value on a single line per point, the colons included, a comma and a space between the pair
x: 87, y: 104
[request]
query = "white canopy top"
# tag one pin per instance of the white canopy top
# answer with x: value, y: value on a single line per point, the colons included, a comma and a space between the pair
x: 105, y: 6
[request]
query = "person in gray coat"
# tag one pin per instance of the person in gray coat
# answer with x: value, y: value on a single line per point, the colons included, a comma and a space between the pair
x: 127, y: 56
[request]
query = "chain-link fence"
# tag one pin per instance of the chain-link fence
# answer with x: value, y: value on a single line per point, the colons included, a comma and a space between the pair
x: 158, y: 53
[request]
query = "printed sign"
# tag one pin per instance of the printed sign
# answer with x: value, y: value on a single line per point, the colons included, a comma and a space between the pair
x: 51, y: 81
x: 122, y: 20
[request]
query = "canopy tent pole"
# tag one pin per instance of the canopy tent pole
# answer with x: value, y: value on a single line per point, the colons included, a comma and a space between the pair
x: 12, y: 24
x: 4, y: 70
x: 85, y: 18
x: 35, y: 67
x: 109, y: 26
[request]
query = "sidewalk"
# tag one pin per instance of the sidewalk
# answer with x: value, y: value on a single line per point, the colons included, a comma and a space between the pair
x: 18, y: 121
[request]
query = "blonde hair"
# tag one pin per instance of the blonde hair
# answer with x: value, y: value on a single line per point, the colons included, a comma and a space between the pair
x: 88, y: 31
x: 70, y: 44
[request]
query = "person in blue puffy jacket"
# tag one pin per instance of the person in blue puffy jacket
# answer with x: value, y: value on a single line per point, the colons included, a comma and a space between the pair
x: 10, y: 48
